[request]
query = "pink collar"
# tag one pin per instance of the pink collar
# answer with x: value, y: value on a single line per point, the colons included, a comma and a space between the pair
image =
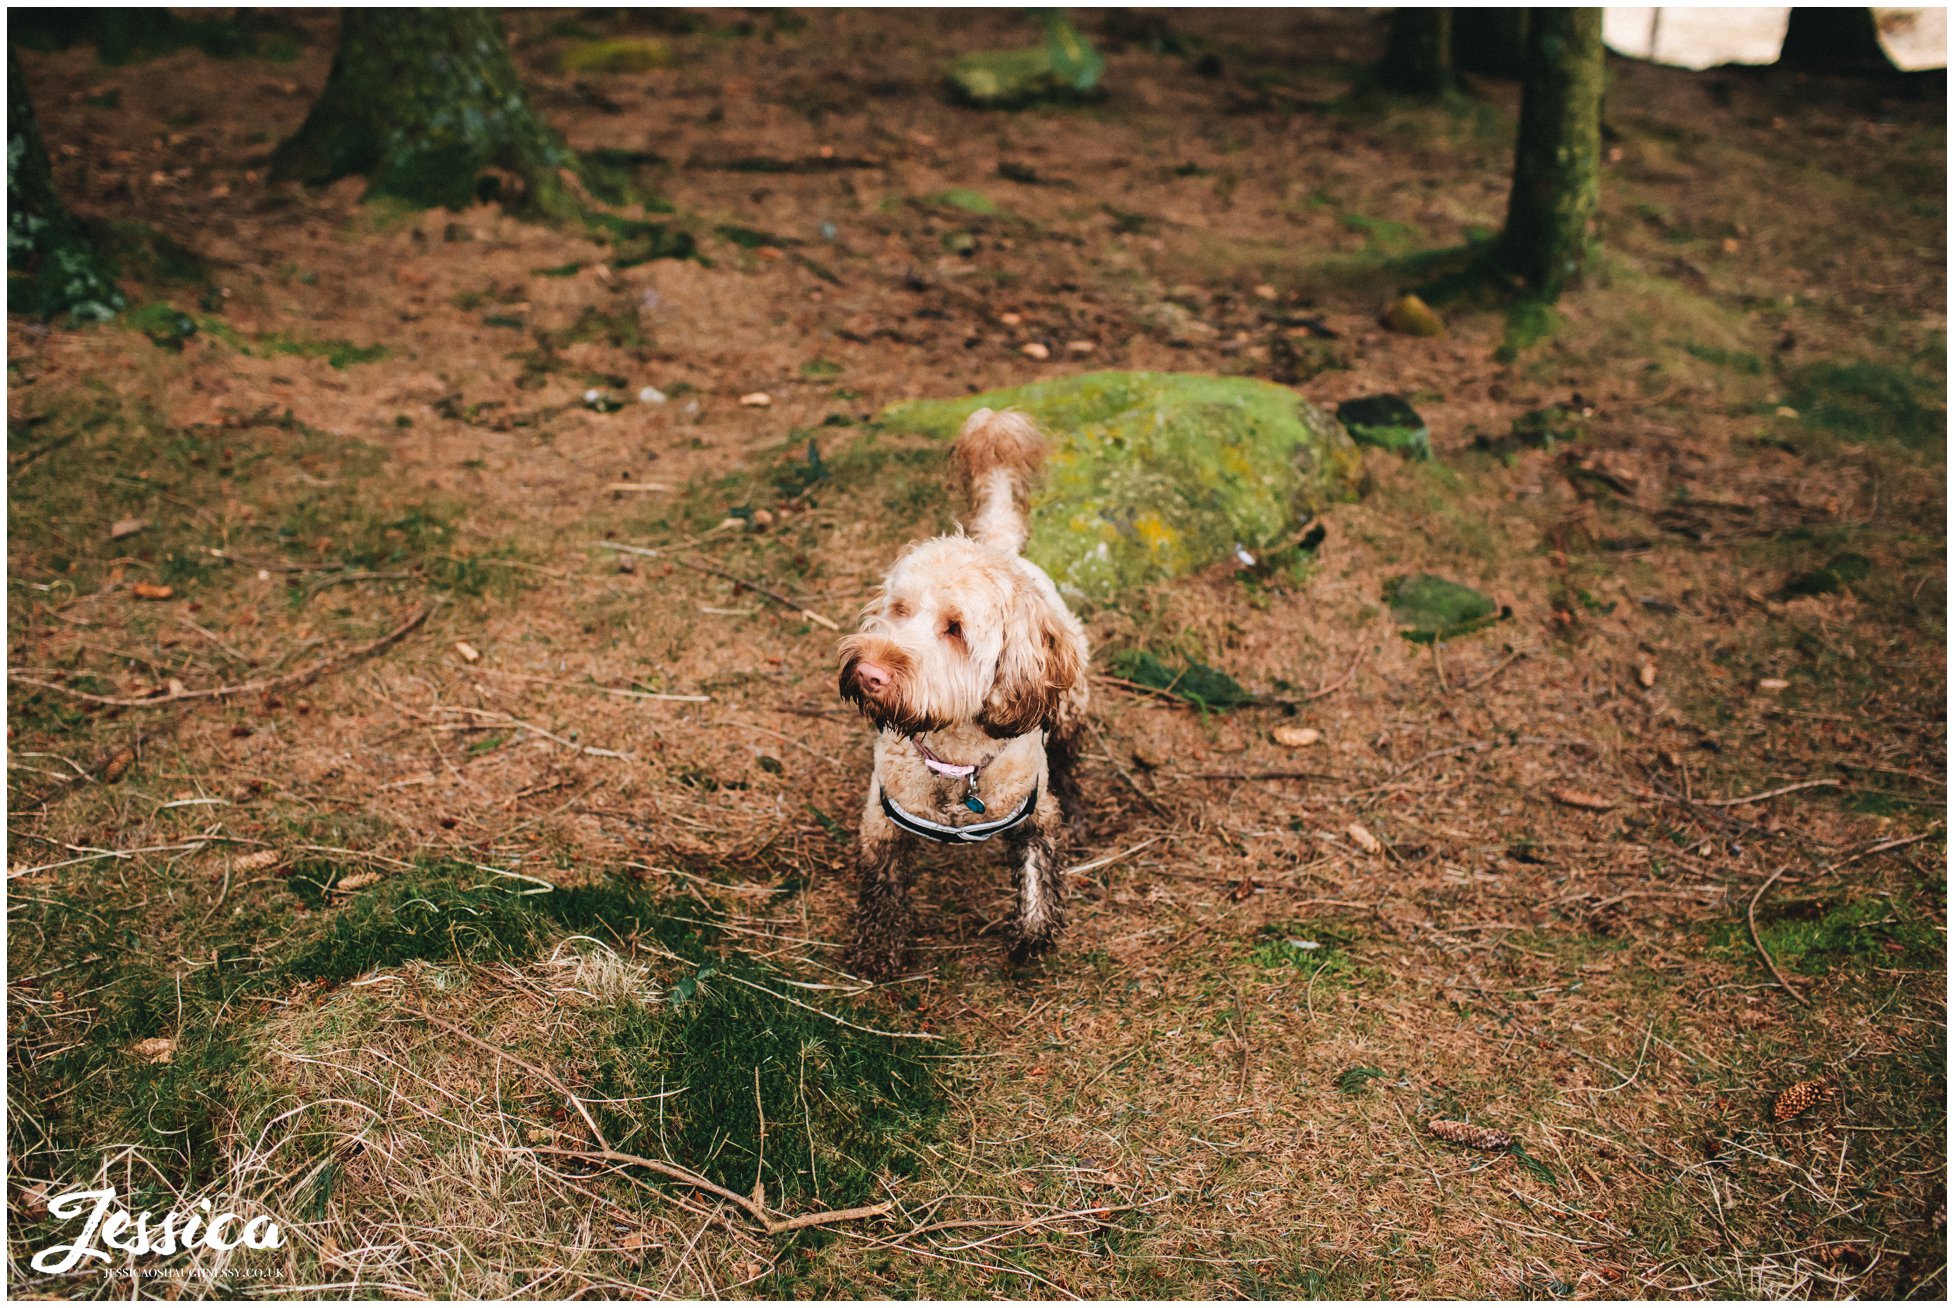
x: 937, y: 765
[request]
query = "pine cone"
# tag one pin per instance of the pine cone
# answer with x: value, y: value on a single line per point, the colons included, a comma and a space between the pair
x: 118, y: 764
x: 1799, y: 1098
x: 1464, y: 1133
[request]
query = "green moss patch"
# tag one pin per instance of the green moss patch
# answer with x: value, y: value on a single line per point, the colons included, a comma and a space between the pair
x: 1064, y: 67
x: 1197, y: 683
x: 1865, y: 402
x: 1153, y: 475
x: 1817, y: 936
x: 1430, y: 608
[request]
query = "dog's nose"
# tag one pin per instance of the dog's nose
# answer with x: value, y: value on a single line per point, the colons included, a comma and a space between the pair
x: 873, y: 677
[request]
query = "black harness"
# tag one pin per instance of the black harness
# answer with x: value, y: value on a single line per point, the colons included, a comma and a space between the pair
x: 974, y: 834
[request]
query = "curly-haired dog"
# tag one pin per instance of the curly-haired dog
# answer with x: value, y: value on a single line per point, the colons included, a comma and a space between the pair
x: 975, y: 671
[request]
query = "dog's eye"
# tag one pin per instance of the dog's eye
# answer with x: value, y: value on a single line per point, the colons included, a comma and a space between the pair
x: 953, y: 630
x: 898, y: 609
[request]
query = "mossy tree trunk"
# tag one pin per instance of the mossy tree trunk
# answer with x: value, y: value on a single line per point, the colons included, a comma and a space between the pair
x: 1550, y: 215
x: 1834, y: 41
x: 1418, y: 56
x: 1491, y: 42
x: 426, y: 104
x: 53, y: 264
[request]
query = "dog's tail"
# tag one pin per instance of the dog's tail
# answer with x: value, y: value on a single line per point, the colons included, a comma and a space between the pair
x: 995, y: 463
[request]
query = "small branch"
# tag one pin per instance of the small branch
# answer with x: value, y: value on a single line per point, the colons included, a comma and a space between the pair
x: 1750, y: 916
x: 1768, y: 794
x: 752, y: 1209
x: 1278, y: 775
x: 302, y: 678
x: 711, y: 571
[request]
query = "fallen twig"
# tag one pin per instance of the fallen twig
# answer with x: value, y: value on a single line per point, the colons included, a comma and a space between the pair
x: 500, y: 1052
x: 712, y: 571
x: 305, y: 677
x: 1750, y: 916
x: 756, y: 1211
x: 1768, y: 794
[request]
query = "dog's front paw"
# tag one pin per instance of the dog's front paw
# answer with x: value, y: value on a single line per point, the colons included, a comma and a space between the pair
x: 876, y: 957
x: 1027, y: 949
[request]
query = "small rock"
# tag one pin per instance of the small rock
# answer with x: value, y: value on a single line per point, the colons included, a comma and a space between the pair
x: 127, y: 527
x: 156, y: 1049
x: 762, y: 519
x: 756, y: 400
x: 1387, y: 422
x: 1080, y: 347
x: 1010, y: 319
x: 468, y: 652
x: 1176, y: 324
x: 1296, y: 737
x: 1035, y: 350
x: 1413, y: 317
x: 1265, y: 292
x: 651, y: 395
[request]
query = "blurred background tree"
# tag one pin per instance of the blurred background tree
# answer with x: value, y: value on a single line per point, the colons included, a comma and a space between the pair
x: 54, y: 264
x: 426, y: 104
x: 1550, y: 214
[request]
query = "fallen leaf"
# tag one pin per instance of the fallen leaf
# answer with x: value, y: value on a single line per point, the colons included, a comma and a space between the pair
x: 127, y: 527
x: 1580, y: 799
x: 148, y: 590
x: 1296, y: 737
x: 156, y: 1049
x: 756, y: 400
x: 467, y: 651
x: 1367, y: 842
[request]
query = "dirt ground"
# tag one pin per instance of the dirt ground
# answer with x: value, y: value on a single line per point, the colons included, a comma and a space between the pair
x: 1607, y: 876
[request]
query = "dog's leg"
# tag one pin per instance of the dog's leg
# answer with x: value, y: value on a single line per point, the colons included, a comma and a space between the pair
x: 1041, y: 890
x: 882, y: 903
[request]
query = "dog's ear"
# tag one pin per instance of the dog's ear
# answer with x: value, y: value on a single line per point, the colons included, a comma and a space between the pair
x: 1038, y: 664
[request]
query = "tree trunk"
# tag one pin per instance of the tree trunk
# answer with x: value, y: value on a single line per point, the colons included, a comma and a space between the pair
x: 1491, y: 41
x: 1418, y: 58
x: 1834, y: 41
x: 1550, y: 216
x: 53, y: 265
x: 427, y: 105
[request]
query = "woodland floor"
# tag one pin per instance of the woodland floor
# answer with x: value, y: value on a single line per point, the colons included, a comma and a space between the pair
x: 382, y: 950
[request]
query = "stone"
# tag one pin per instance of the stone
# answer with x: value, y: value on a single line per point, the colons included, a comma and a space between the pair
x: 621, y: 54
x: 1413, y: 317
x: 1157, y: 474
x: 1175, y: 324
x: 1064, y: 67
x: 1388, y: 422
x: 1431, y: 608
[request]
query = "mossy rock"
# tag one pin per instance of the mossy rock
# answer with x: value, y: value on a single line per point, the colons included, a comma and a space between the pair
x: 1157, y: 474
x: 1388, y: 422
x: 1431, y: 608
x: 1200, y: 685
x: 1064, y: 67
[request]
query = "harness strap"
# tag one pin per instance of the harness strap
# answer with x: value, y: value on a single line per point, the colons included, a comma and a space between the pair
x: 974, y: 834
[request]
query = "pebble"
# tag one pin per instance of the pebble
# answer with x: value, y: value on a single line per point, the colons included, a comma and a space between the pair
x: 651, y: 395
x: 1265, y: 292
x: 1010, y: 319
x: 756, y: 400
x: 1296, y: 737
x: 1035, y: 350
x: 1080, y: 347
